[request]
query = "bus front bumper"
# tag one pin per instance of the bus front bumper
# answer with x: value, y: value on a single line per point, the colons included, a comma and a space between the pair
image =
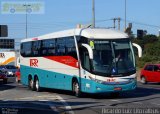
x: 108, y: 88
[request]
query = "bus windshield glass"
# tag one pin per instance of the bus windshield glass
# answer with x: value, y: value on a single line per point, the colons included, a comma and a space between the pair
x: 112, y: 57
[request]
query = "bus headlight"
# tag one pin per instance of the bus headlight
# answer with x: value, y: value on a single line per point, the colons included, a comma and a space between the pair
x: 96, y: 80
x: 99, y: 81
x: 133, y: 79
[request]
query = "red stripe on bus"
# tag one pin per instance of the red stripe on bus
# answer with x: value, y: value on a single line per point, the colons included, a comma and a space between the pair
x: 67, y: 60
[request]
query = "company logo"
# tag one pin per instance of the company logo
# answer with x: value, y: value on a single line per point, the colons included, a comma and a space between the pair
x: 111, y: 80
x: 2, y: 55
x: 34, y: 62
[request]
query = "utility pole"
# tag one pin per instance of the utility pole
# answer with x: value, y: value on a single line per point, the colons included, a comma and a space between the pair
x: 26, y: 7
x: 119, y: 19
x: 114, y: 22
x: 125, y: 14
x: 93, y: 13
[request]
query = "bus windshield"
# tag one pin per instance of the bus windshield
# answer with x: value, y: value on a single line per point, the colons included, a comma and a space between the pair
x: 112, y: 57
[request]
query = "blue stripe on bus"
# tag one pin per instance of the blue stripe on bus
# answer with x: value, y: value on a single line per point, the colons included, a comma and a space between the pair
x: 56, y: 80
x: 47, y: 79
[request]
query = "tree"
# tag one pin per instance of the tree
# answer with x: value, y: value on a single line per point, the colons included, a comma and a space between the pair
x: 151, y: 49
x: 150, y: 38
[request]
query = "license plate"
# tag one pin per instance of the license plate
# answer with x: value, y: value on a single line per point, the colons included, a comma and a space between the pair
x: 117, y: 88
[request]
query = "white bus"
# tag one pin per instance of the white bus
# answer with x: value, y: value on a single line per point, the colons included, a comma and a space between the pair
x: 9, y: 58
x: 80, y: 60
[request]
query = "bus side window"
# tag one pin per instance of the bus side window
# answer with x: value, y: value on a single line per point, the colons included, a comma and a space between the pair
x: 70, y: 47
x: 60, y: 44
x: 22, y: 52
x: 52, y: 47
x: 36, y: 47
x: 48, y: 47
x: 26, y: 49
x: 44, y: 48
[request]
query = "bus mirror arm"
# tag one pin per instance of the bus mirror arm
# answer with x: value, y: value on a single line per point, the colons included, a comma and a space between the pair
x: 90, y: 51
x: 139, y: 49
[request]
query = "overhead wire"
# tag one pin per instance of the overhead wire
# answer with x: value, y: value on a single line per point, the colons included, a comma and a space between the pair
x: 140, y: 23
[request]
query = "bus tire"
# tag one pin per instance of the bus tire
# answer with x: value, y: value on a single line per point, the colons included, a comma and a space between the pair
x: 31, y: 84
x: 76, y: 88
x: 37, y: 86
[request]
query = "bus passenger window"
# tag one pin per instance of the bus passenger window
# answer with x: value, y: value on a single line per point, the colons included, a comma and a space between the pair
x: 26, y: 49
x: 48, y: 47
x: 70, y: 47
x: 36, y: 48
x: 60, y: 44
x: 22, y: 52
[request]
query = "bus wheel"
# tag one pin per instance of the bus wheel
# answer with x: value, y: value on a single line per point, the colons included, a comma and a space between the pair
x: 76, y: 89
x: 37, y: 87
x: 31, y: 84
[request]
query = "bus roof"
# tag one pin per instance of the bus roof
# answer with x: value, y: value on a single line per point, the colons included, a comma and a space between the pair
x: 98, y: 33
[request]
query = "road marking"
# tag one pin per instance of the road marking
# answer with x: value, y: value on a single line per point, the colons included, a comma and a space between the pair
x: 51, y: 105
x: 40, y: 97
x: 3, y: 92
x: 26, y: 98
x: 6, y: 100
x: 137, y: 102
x: 155, y: 104
x: 83, y: 106
x: 47, y: 98
x: 47, y: 102
x: 67, y: 106
x: 43, y: 100
x: 115, y: 100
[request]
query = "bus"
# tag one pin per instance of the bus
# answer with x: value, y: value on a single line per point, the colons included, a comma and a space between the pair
x: 82, y: 60
x: 8, y: 57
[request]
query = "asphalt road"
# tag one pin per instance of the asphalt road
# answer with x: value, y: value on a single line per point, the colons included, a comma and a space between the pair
x: 16, y: 98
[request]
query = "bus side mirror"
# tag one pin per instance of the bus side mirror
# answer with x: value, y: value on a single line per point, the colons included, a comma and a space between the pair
x: 90, y: 51
x: 139, y: 49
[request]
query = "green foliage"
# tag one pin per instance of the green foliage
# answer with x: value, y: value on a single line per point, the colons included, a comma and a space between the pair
x: 146, y: 40
x: 150, y: 39
x: 151, y: 50
x: 147, y: 59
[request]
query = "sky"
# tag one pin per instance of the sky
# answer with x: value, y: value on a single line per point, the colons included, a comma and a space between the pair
x: 66, y: 14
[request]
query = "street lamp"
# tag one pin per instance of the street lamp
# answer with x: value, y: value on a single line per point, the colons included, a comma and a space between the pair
x: 26, y: 7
